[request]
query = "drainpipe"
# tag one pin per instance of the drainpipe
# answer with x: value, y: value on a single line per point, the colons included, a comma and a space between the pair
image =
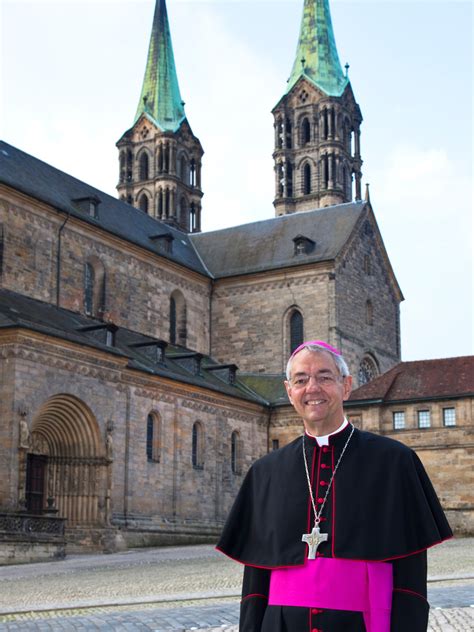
x: 58, y: 260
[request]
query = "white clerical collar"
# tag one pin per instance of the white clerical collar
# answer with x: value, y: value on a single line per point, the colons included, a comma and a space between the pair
x: 324, y: 440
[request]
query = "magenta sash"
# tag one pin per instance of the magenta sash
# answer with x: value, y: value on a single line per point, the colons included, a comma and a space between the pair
x: 337, y: 584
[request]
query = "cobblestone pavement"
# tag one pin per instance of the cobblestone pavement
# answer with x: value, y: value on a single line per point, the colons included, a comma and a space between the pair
x: 183, y: 588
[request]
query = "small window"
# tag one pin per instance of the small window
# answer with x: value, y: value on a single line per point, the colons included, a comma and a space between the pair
x: 197, y: 447
x: 275, y: 444
x: 449, y: 417
x: 235, y: 452
x: 424, y: 419
x: 143, y: 204
x: 305, y: 132
x: 399, y: 420
x: 369, y: 313
x: 144, y: 166
x: 367, y: 265
x: 296, y: 330
x: 306, y: 179
x: 88, y: 288
x: 153, y: 438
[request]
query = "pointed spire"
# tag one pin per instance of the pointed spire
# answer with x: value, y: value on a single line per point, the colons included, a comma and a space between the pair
x: 317, y: 47
x: 160, y: 98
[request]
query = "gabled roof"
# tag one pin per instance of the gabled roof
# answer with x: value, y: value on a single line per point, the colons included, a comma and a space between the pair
x: 18, y: 311
x: 160, y: 98
x: 316, y: 53
x: 60, y: 190
x: 420, y: 379
x: 268, y: 244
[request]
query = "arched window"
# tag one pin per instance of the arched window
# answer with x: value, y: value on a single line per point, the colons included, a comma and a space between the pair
x: 143, y: 203
x: 123, y: 166
x: 325, y: 167
x: 367, y: 370
x: 305, y: 132
x: 192, y: 173
x: 235, y: 452
x: 144, y: 166
x: 325, y: 124
x: 88, y: 288
x: 288, y: 142
x: 192, y: 218
x: 367, y: 265
x: 369, y: 313
x: 178, y: 319
x: 306, y: 179
x: 94, y: 287
x: 197, y: 446
x: 129, y: 165
x: 296, y: 330
x: 279, y: 130
x: 153, y: 437
x: 289, y: 179
x: 183, y: 169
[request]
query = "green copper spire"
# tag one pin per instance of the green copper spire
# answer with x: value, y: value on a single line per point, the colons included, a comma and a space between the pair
x: 160, y: 98
x: 316, y: 54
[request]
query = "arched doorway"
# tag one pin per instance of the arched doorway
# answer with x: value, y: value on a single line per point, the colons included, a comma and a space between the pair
x: 66, y: 464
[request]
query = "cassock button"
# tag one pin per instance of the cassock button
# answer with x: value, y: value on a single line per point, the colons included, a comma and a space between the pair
x: 316, y: 611
x: 322, y: 483
x: 324, y: 466
x: 320, y: 501
x: 325, y: 449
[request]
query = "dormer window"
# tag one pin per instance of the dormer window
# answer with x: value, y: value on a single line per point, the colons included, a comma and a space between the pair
x: 88, y: 205
x: 303, y: 245
x: 155, y: 350
x: 164, y: 241
x: 189, y: 361
x: 226, y: 372
x: 103, y: 333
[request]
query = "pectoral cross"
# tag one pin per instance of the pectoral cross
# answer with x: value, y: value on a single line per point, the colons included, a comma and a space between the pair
x: 313, y: 540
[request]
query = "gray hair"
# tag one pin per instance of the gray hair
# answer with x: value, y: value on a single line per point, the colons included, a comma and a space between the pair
x: 338, y: 359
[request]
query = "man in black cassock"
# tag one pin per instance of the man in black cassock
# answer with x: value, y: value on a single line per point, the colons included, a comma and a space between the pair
x: 333, y: 528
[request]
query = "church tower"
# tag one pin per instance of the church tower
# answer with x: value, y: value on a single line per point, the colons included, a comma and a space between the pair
x: 159, y: 156
x: 317, y: 123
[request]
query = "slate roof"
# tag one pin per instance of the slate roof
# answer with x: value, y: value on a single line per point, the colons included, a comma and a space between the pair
x: 419, y: 380
x: 36, y: 178
x: 18, y: 311
x: 269, y: 387
x: 268, y: 244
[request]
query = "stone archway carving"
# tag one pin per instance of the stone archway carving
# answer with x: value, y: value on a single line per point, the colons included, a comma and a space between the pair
x: 66, y: 432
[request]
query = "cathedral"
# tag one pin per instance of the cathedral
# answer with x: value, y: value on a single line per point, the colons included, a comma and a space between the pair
x: 142, y: 360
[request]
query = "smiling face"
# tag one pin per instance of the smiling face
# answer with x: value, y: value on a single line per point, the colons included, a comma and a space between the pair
x: 319, y: 402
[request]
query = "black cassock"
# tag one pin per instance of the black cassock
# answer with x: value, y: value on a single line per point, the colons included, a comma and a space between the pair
x: 381, y: 507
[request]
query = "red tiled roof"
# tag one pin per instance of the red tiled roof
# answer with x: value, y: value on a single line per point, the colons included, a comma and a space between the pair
x: 425, y: 379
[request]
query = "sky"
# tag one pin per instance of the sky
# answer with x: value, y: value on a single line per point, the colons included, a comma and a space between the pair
x: 70, y: 80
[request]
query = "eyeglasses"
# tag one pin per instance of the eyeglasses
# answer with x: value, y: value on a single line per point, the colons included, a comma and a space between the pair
x: 326, y: 379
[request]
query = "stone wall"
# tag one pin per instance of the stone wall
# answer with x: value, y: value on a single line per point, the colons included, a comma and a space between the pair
x: 362, y: 274
x: 250, y: 315
x: 167, y: 495
x: 138, y: 283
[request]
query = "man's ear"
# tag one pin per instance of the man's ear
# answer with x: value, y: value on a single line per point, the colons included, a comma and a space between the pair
x: 347, y: 387
x: 288, y: 390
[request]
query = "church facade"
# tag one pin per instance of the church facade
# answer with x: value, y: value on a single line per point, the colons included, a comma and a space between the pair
x: 142, y: 359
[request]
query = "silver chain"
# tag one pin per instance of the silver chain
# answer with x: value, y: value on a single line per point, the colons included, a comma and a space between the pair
x: 317, y: 516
